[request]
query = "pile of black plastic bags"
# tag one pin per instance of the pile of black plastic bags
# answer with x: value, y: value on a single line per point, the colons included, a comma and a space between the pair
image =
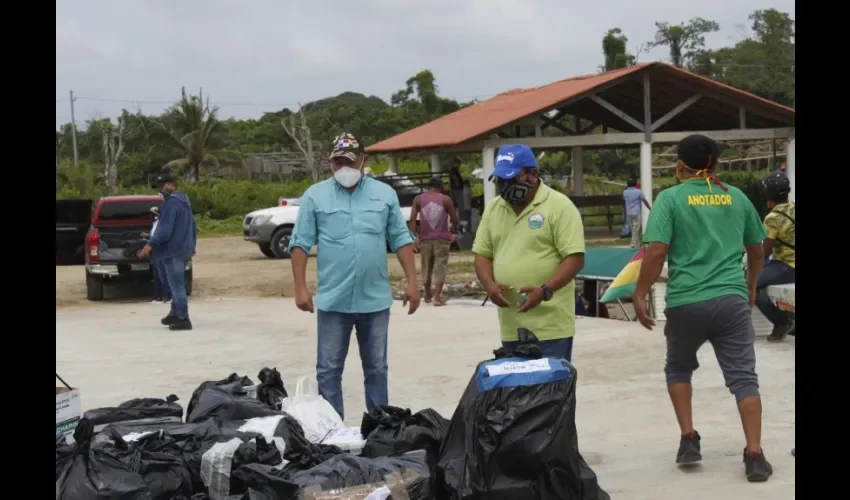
x: 512, y: 437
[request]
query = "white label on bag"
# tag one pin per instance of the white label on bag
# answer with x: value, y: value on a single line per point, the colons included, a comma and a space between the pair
x: 381, y: 493
x: 510, y: 367
x: 346, y: 433
x: 135, y: 436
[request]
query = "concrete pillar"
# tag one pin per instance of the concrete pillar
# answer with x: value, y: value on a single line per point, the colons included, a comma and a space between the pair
x: 488, y: 164
x: 578, y: 170
x: 436, y: 168
x: 645, y: 179
x: 392, y: 165
x: 790, y: 170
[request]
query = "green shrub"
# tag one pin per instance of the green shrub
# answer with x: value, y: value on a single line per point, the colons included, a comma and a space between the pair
x: 230, y: 225
x: 220, y: 204
x: 220, y: 199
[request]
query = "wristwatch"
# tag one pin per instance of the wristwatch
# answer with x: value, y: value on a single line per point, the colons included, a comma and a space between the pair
x: 547, y: 292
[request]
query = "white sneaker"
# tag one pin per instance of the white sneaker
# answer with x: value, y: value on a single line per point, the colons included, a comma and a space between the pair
x: 156, y: 301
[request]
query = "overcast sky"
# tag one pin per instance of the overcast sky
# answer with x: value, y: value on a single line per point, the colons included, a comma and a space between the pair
x: 252, y: 56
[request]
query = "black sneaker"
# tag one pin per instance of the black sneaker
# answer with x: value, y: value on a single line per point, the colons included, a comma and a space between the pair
x: 170, y: 320
x: 181, y: 324
x: 757, y: 467
x: 780, y: 332
x: 689, y: 449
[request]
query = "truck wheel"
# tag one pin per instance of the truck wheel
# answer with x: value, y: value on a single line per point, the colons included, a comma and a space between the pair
x: 189, y: 281
x: 266, y: 248
x: 94, y: 287
x: 280, y: 242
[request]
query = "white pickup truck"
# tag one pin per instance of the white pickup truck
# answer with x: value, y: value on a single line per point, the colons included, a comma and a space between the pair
x: 271, y: 228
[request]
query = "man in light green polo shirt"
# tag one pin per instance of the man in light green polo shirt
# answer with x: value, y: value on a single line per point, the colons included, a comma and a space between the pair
x: 528, y: 248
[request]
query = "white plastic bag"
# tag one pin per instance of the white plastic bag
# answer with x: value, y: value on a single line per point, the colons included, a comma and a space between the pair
x: 266, y: 426
x: 215, y: 469
x: 316, y: 416
x: 348, y: 439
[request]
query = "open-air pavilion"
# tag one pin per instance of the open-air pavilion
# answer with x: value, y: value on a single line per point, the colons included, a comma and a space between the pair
x: 640, y: 106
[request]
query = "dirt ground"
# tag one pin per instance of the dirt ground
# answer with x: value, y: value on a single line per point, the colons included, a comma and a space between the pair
x: 231, y: 267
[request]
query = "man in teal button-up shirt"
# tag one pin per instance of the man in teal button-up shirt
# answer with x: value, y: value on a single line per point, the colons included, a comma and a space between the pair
x: 351, y: 218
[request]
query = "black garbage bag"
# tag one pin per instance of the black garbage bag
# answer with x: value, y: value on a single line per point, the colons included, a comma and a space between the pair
x: 156, y: 458
x: 513, y: 435
x: 88, y: 473
x: 304, y: 455
x: 390, y: 430
x: 345, y: 470
x: 63, y: 449
x: 256, y: 451
x: 193, y: 401
x: 228, y: 402
x: 271, y: 390
x: 136, y: 409
x: 61, y: 444
x: 262, y: 482
x: 141, y: 427
x: 189, y: 443
x: 220, y: 460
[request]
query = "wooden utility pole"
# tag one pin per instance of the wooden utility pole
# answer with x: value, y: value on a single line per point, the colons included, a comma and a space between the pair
x: 74, y: 130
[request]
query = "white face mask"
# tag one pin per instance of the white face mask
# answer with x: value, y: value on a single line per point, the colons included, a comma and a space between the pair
x: 347, y: 177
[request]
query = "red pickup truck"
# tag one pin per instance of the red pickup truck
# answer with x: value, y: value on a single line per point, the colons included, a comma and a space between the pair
x: 114, y: 239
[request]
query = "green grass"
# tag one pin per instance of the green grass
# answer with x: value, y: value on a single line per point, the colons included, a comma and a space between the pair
x: 213, y: 227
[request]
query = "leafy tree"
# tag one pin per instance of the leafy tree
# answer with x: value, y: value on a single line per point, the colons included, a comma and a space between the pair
x: 614, y: 45
x: 192, y: 125
x: 684, y: 40
x: 763, y: 63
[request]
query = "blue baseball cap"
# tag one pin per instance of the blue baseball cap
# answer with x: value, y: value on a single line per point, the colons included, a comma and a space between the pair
x: 511, y: 159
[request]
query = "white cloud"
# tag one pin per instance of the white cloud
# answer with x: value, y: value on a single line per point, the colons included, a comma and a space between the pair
x: 285, y: 51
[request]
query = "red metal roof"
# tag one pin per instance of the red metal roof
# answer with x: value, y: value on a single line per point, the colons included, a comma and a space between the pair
x: 513, y: 105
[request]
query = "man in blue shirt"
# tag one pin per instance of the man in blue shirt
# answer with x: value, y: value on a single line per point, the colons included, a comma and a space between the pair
x: 173, y: 244
x: 633, y: 198
x: 351, y: 218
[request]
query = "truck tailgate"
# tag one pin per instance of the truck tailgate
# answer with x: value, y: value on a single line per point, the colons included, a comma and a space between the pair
x: 119, y: 245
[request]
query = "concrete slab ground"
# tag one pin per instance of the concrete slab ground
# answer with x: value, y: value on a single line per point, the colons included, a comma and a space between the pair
x: 627, y: 430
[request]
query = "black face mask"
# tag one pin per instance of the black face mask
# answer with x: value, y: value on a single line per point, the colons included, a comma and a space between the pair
x: 513, y: 191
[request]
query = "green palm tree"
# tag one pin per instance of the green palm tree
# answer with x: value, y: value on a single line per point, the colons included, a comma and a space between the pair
x: 192, y: 129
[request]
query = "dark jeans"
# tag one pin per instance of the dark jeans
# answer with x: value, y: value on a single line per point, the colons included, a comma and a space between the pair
x: 161, y: 290
x: 175, y: 276
x: 774, y: 273
x: 334, y: 339
x: 557, y: 348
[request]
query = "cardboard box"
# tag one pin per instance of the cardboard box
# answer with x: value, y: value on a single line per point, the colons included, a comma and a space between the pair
x: 68, y: 411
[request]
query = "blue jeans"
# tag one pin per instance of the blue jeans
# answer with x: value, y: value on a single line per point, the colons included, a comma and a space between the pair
x: 774, y: 273
x: 334, y: 339
x: 557, y: 348
x: 175, y: 276
x: 161, y: 290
